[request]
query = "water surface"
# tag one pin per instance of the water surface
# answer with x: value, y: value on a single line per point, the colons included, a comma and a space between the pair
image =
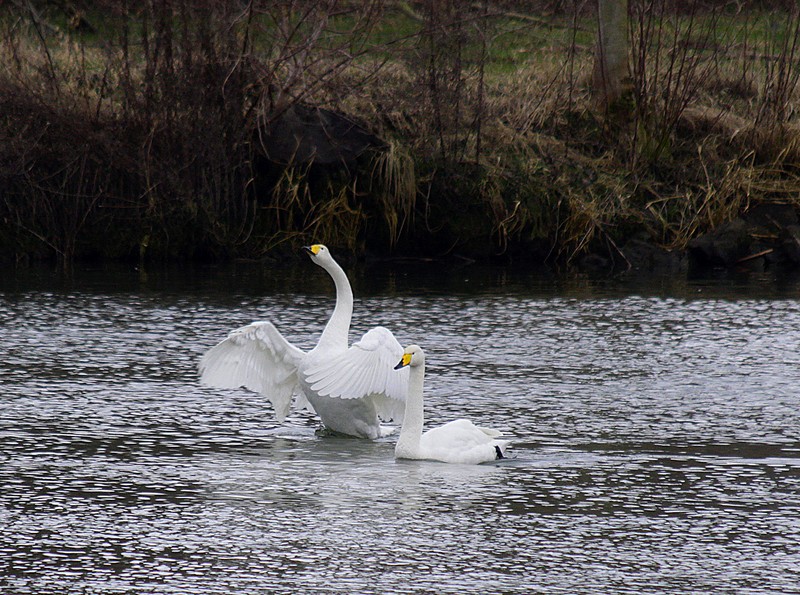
x: 656, y: 425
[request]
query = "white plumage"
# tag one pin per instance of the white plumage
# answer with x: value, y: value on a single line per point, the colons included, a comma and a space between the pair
x: 458, y: 441
x: 350, y: 388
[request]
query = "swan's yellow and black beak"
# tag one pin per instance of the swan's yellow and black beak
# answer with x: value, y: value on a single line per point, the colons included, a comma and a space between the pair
x: 313, y: 250
x: 406, y: 359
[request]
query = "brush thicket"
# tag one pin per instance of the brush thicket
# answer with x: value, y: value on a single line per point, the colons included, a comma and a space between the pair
x: 149, y: 130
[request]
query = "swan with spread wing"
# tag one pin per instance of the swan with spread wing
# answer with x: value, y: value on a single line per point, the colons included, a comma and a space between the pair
x: 351, y: 387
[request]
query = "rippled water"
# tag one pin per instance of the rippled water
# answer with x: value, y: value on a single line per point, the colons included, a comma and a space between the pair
x: 656, y: 426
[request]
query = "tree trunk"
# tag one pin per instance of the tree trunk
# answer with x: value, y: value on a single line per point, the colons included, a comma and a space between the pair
x: 611, y: 54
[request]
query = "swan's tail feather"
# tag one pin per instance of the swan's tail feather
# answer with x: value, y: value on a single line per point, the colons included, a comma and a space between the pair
x: 500, y: 447
x: 490, y: 432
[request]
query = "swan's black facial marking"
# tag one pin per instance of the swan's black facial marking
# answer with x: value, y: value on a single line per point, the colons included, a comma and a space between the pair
x: 499, y: 452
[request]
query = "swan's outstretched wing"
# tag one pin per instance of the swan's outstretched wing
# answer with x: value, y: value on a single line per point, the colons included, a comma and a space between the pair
x: 366, y: 369
x: 256, y: 357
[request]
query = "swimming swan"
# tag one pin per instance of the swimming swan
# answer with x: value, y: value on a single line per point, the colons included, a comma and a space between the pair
x: 350, y: 388
x: 458, y: 441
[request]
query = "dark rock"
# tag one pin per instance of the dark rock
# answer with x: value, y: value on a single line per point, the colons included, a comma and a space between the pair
x: 791, y: 244
x: 771, y: 217
x: 722, y: 247
x: 594, y: 262
x: 305, y: 135
x: 644, y: 255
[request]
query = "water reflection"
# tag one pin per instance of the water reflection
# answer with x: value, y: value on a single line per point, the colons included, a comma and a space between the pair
x: 657, y: 443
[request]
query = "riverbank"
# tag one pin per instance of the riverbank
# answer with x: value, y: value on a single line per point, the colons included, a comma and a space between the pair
x: 413, y: 130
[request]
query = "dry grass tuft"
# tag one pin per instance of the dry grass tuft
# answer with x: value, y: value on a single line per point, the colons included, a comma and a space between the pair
x: 395, y: 186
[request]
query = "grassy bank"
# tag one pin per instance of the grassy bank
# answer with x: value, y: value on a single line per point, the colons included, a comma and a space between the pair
x: 154, y: 131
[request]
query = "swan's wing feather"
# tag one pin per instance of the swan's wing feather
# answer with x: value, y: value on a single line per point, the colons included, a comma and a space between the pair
x: 461, y: 441
x: 258, y: 358
x: 458, y: 435
x: 490, y: 432
x: 389, y: 410
x: 365, y: 369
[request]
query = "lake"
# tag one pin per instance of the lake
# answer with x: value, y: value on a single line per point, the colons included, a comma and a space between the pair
x: 656, y: 429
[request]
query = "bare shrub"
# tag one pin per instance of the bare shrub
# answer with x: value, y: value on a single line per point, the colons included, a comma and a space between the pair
x: 151, y: 123
x: 178, y: 93
x: 670, y: 62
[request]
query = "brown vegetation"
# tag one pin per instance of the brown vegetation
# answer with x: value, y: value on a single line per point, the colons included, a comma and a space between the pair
x: 149, y: 130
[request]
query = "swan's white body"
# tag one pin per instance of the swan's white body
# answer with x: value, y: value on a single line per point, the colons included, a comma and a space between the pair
x: 350, y: 388
x: 458, y: 441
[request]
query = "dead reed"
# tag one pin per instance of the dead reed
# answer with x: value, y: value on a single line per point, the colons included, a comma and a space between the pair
x: 144, y: 125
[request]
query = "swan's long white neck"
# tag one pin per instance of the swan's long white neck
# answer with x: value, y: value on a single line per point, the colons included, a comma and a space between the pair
x: 338, y: 328
x: 410, y: 433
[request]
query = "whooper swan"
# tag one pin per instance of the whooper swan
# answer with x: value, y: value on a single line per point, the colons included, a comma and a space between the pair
x: 350, y: 388
x: 458, y: 441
